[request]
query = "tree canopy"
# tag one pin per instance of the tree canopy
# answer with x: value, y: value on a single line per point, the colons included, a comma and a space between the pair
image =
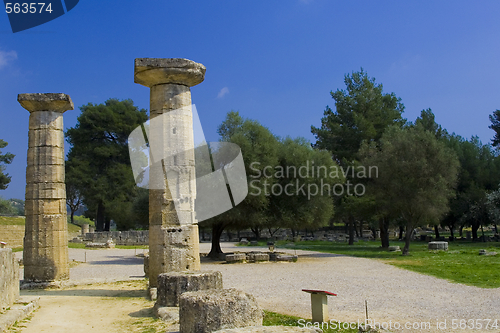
x: 98, y: 163
x: 417, y: 176
x: 4, y: 159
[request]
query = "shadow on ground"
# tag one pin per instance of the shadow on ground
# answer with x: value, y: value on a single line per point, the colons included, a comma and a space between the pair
x: 87, y: 293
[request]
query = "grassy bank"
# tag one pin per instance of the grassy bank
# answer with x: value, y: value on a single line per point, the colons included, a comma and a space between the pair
x: 461, y: 263
x: 276, y: 319
x: 20, y: 220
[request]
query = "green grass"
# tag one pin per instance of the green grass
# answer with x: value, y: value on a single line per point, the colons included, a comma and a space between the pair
x: 461, y: 263
x: 9, y: 220
x: 276, y: 319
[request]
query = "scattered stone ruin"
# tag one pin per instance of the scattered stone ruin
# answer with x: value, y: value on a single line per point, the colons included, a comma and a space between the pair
x: 46, y: 234
x: 9, y: 278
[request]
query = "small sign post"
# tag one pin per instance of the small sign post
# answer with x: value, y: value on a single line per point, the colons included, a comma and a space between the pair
x: 319, y: 304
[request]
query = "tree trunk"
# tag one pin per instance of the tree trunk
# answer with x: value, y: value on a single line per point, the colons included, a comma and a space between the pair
x: 374, y: 233
x: 451, y: 232
x: 256, y: 232
x: 384, y: 233
x: 107, y: 223
x: 360, y: 228
x: 482, y: 231
x: 460, y: 231
x: 293, y: 232
x: 355, y: 226
x: 406, y: 249
x: 475, y: 226
x: 401, y: 231
x: 351, y: 230
x: 217, y: 230
x: 436, y: 231
x: 99, y: 224
x: 72, y: 217
x: 496, y: 228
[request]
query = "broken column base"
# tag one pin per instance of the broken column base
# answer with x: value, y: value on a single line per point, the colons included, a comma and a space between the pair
x: 172, y: 249
x: 211, y: 310
x: 172, y: 285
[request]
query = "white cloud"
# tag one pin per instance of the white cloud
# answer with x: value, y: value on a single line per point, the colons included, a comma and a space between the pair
x: 224, y: 91
x: 7, y: 57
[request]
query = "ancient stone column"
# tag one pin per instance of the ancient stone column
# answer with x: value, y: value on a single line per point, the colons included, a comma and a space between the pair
x: 173, y: 232
x: 46, y: 235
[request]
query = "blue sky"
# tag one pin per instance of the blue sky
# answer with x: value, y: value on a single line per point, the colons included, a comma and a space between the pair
x: 274, y: 61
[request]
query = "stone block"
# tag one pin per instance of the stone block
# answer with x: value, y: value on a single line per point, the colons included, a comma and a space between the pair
x: 394, y: 248
x: 437, y: 246
x: 45, y: 173
x: 155, y: 71
x: 44, y: 206
x: 277, y: 256
x: 45, y: 102
x: 216, y: 309
x: 172, y: 285
x: 173, y: 249
x: 236, y: 257
x: 271, y: 329
x: 257, y: 256
x: 45, y: 137
x: 46, y: 223
x: 46, y: 119
x: 46, y: 156
x: 9, y: 278
x: 46, y: 191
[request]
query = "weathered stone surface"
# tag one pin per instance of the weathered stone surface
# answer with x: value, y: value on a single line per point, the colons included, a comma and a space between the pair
x: 437, y: 246
x: 271, y: 329
x: 45, y: 173
x: 236, y: 257
x: 276, y: 256
x: 169, y: 315
x: 46, y: 235
x: 394, y: 248
x: 45, y: 102
x: 172, y: 249
x: 216, y: 309
x: 9, y: 278
x: 46, y: 191
x: 146, y: 265
x: 257, y: 256
x: 46, y: 155
x: 45, y: 137
x: 46, y: 120
x: 153, y: 71
x: 173, y: 233
x: 172, y: 285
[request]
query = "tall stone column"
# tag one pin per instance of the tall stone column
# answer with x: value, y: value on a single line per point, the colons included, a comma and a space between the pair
x: 173, y: 232
x: 46, y: 235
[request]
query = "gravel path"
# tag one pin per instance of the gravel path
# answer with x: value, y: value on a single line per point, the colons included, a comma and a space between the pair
x: 392, y: 294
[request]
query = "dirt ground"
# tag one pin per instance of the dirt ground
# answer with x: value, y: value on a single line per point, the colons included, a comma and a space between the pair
x: 97, y: 308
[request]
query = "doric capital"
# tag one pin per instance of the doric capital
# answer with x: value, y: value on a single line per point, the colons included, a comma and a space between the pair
x: 45, y: 102
x: 153, y: 71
